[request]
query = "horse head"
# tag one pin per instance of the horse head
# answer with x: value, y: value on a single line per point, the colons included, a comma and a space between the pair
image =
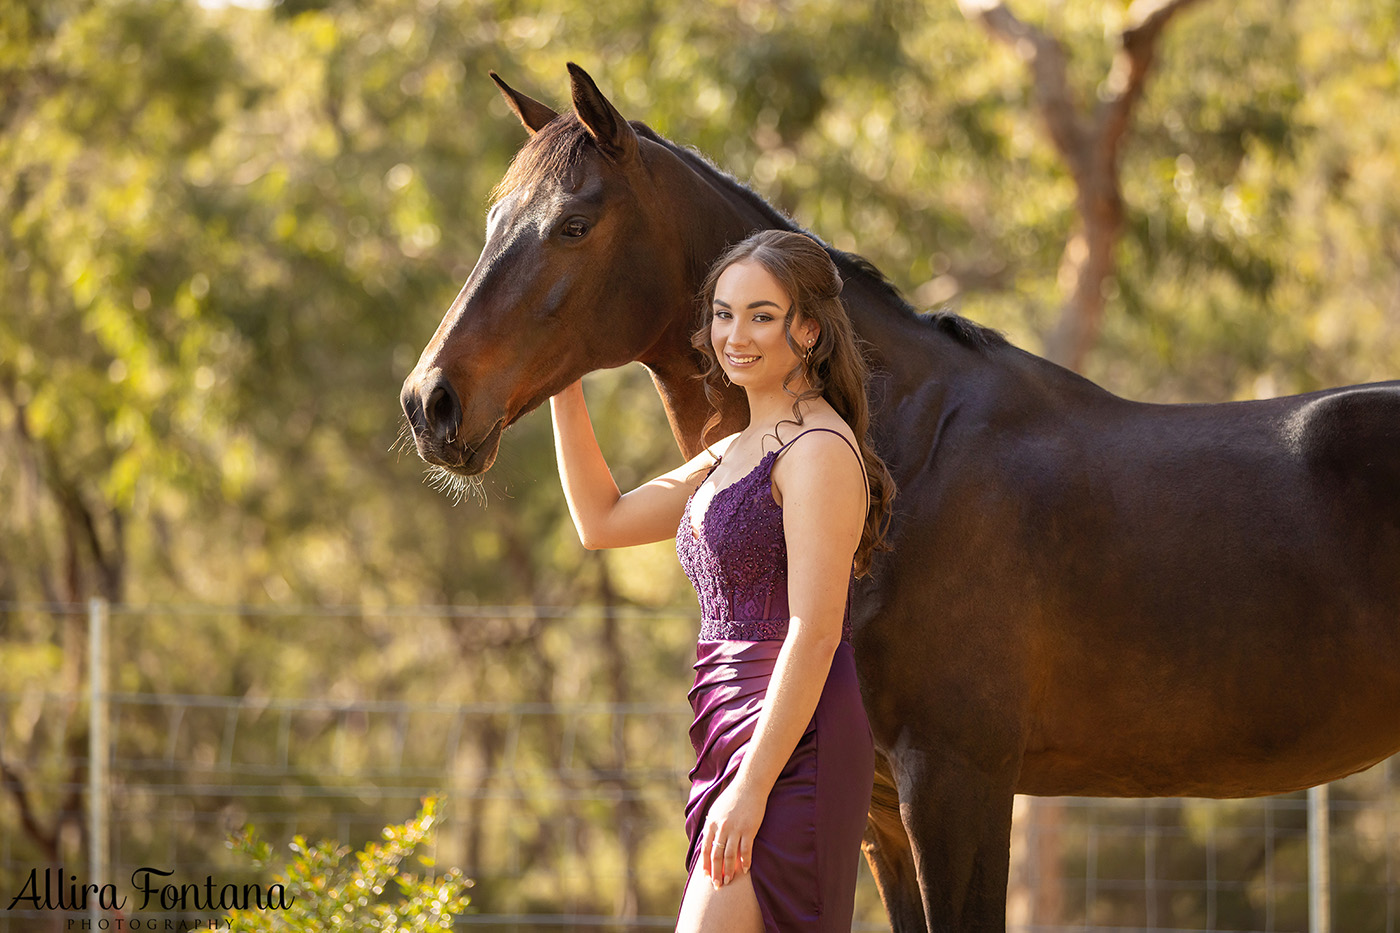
x: 585, y: 267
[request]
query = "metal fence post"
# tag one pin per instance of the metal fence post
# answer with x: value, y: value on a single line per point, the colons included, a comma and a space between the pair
x: 1319, y: 862
x: 97, y: 750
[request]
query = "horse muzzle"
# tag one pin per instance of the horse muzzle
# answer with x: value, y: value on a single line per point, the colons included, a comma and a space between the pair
x: 440, y: 435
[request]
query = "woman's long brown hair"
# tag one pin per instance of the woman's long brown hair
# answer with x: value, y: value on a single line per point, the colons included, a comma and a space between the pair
x: 836, y: 370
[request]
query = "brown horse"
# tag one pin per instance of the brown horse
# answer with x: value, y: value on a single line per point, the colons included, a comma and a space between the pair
x: 1087, y: 596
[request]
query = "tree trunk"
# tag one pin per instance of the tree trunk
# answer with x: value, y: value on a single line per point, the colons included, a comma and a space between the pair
x: 1089, y: 141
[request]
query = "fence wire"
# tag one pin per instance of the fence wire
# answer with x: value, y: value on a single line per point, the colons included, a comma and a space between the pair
x: 562, y: 801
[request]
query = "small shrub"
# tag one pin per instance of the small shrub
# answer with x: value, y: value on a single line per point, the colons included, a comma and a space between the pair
x: 326, y: 890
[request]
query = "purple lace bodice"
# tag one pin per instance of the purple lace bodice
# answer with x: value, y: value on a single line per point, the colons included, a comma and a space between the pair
x: 738, y: 564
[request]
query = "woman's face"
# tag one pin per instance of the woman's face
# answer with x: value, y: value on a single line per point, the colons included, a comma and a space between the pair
x: 746, y: 329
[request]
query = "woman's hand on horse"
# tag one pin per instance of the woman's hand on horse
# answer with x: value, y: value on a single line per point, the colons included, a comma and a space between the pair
x: 730, y: 828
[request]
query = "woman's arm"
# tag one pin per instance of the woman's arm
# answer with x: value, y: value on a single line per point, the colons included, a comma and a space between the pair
x: 823, y: 514
x: 604, y: 517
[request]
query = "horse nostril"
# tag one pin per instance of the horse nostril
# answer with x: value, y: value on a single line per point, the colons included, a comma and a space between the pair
x: 442, y: 411
x: 412, y: 409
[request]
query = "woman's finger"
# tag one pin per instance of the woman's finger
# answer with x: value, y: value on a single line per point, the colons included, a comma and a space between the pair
x: 706, y: 844
x: 729, y: 865
x: 745, y: 853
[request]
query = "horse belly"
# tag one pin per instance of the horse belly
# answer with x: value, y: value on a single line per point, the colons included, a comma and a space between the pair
x: 1279, y: 724
x: 1238, y: 634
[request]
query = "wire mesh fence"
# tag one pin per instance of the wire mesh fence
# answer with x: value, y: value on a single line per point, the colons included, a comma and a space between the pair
x: 1193, y: 864
x: 558, y: 743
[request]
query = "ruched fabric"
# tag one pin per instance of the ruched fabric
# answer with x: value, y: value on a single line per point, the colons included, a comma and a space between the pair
x: 807, y: 852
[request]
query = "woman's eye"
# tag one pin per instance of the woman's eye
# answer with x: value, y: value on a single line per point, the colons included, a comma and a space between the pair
x: 722, y: 315
x: 574, y: 227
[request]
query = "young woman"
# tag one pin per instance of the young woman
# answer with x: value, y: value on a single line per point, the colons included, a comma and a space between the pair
x: 772, y: 524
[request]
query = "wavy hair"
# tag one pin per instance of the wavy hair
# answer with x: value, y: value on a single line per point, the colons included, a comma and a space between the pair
x: 836, y: 369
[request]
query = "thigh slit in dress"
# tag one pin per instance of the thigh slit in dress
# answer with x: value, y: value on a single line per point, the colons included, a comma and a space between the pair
x: 807, y: 851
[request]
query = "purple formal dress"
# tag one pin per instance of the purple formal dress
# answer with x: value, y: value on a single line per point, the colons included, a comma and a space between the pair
x: 807, y: 851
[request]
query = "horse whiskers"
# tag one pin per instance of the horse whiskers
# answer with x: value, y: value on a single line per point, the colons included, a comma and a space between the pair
x: 404, y: 442
x: 450, y: 484
x: 453, y: 486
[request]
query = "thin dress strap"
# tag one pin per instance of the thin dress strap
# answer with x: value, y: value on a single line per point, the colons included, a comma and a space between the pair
x: 843, y: 437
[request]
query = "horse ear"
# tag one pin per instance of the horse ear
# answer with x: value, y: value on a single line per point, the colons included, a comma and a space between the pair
x: 533, y: 114
x: 610, y: 131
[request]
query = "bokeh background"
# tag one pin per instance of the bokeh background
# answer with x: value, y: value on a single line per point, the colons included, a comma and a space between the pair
x: 228, y: 231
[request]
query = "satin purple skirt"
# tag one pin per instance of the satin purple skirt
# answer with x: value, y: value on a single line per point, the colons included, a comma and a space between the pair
x: 807, y: 852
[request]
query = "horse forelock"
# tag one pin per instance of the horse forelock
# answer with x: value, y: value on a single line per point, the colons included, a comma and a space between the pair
x: 551, y: 155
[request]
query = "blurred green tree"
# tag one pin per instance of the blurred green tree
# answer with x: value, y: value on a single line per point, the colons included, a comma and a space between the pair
x: 228, y: 232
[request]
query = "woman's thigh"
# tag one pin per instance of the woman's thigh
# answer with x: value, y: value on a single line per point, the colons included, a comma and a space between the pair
x: 733, y: 907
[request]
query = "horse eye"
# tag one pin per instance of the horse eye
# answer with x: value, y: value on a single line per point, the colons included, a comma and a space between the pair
x: 574, y: 227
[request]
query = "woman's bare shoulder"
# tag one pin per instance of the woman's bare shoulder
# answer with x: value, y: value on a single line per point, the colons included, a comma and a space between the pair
x: 821, y: 456
x: 826, y: 421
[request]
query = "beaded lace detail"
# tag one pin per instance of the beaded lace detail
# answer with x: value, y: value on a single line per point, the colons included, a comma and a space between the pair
x: 738, y: 564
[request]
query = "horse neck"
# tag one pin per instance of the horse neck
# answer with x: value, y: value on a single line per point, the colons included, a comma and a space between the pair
x: 906, y: 352
x: 713, y: 212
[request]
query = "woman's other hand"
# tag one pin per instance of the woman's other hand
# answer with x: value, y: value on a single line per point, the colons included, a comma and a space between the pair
x: 730, y: 829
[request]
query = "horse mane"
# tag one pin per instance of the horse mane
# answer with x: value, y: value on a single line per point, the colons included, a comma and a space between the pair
x: 558, y: 148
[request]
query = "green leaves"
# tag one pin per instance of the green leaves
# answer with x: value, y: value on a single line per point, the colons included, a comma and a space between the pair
x: 330, y: 889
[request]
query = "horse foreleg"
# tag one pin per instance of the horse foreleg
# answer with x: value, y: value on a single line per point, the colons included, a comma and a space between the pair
x: 887, y: 850
x: 958, y: 817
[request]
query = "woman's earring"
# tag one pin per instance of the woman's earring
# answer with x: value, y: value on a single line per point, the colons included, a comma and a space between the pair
x: 725, y: 376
